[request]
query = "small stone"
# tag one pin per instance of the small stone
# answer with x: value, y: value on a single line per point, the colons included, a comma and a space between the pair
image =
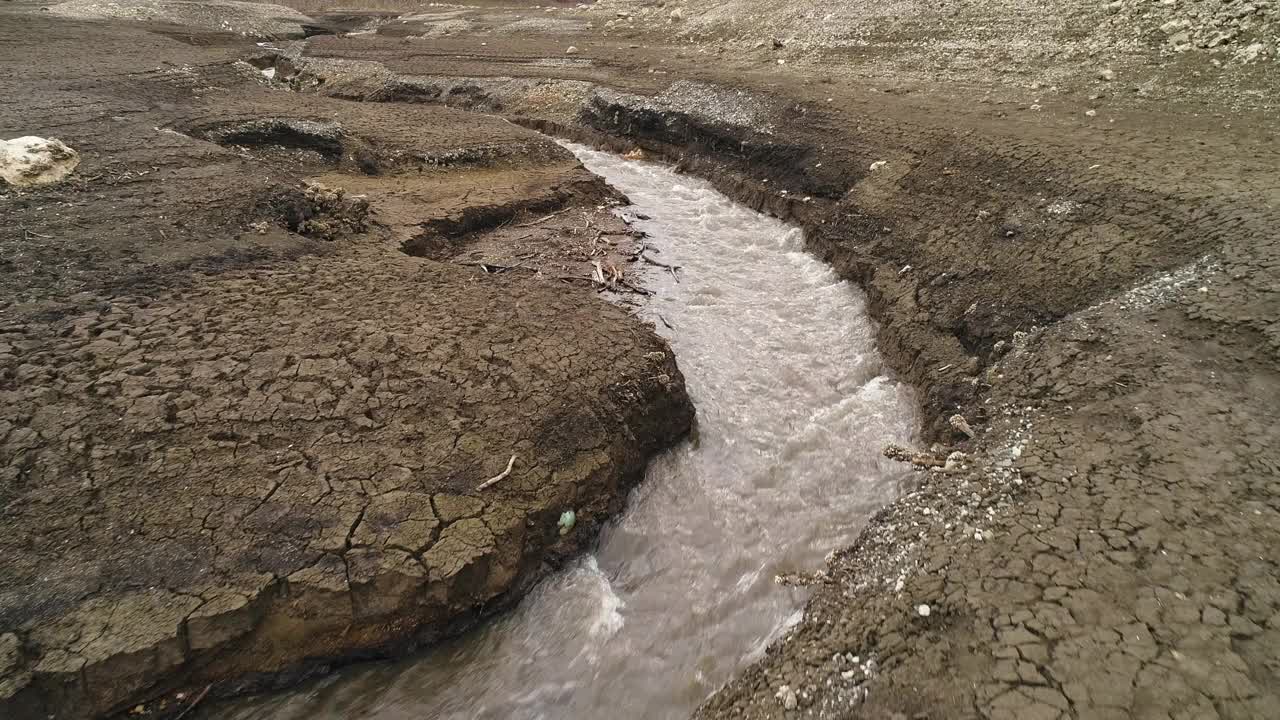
x: 960, y: 425
x: 923, y: 610
x: 787, y: 697
x: 1213, y: 616
x: 1250, y: 53
x: 1091, y: 113
x: 34, y: 160
x: 878, y: 164
x: 677, y: 14
x: 1107, y: 75
x: 572, y: 50
x: 1243, y: 627
x: 567, y: 520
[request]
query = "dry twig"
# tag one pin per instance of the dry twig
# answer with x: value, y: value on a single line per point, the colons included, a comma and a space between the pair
x: 541, y: 220
x: 510, y: 464
x: 194, y: 702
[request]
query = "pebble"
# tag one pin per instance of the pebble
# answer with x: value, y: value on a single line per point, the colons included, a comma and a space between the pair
x: 878, y: 164
x: 787, y: 697
x: 573, y: 50
x: 923, y: 610
x: 1107, y: 74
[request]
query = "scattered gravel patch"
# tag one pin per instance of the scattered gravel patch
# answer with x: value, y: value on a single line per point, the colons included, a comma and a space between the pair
x: 260, y: 20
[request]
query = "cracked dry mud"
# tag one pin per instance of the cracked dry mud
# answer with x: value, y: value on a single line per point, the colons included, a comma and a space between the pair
x: 234, y: 452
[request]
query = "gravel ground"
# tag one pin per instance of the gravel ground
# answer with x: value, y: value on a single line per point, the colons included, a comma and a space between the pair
x: 1221, y: 50
x: 258, y: 20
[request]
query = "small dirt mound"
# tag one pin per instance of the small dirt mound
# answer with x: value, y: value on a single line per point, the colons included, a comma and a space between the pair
x: 323, y: 213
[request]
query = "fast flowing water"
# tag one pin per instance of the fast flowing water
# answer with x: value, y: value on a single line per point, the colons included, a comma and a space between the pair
x: 793, y: 410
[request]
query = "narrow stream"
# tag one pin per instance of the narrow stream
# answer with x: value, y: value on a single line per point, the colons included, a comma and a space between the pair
x: 793, y: 409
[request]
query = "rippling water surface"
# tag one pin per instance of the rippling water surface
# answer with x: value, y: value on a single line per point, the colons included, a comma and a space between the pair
x: 793, y: 409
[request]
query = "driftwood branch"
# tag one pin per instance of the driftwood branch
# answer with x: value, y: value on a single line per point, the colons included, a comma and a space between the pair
x: 669, y: 268
x: 543, y: 219
x: 194, y: 703
x: 494, y: 268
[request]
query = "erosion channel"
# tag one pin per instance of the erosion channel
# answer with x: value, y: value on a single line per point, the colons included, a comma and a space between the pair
x: 793, y: 409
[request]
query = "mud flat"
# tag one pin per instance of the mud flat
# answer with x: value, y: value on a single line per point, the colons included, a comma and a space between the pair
x: 248, y: 427
x: 1094, y: 294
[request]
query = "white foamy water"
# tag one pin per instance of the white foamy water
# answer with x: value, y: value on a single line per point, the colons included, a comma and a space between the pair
x: 793, y: 410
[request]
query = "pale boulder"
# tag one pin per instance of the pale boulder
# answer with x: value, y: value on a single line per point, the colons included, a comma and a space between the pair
x: 31, y: 160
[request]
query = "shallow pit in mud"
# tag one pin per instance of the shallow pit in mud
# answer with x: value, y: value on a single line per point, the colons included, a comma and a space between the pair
x: 794, y: 407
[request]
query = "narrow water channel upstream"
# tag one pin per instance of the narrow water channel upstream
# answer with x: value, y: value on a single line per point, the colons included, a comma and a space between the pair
x: 793, y: 409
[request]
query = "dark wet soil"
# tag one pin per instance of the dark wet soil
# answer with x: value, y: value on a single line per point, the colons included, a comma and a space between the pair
x: 231, y: 448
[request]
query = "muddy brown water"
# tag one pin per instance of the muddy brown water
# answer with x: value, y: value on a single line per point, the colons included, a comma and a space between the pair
x: 794, y: 406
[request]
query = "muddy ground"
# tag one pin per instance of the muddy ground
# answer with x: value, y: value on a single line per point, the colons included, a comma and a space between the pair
x: 245, y: 419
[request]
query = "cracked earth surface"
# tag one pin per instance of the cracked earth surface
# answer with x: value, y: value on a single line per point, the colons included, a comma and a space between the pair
x: 1097, y: 300
x: 233, y: 452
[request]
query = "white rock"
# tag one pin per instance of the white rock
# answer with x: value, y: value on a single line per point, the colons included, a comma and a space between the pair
x: 31, y: 160
x: 787, y: 697
x: 572, y: 50
x: 1249, y: 54
x: 878, y: 164
x: 923, y: 610
x: 1107, y: 74
x: 269, y: 73
x: 677, y: 14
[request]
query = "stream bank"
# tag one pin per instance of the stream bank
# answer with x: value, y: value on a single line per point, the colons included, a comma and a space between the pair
x: 785, y: 466
x: 1096, y: 327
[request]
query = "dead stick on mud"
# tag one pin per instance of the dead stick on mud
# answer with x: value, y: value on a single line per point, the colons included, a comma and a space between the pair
x: 541, y: 220
x: 633, y: 288
x: 510, y: 463
x: 195, y: 702
x: 670, y: 268
x: 493, y: 268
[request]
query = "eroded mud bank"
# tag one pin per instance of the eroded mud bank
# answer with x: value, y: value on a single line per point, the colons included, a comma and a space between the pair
x: 245, y: 431
x: 794, y: 407
x: 1094, y: 331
